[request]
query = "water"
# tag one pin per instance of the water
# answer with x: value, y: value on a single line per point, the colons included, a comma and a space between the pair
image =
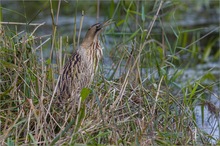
x: 210, y: 124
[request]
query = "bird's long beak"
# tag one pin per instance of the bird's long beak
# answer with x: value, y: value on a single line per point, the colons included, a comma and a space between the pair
x: 106, y: 23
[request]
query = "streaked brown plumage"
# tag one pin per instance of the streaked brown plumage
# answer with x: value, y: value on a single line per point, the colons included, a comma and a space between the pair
x: 79, y: 71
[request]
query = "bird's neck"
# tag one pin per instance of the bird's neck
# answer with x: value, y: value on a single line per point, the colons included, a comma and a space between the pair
x: 86, y: 44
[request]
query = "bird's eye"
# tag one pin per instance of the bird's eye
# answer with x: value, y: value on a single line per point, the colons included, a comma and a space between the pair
x: 98, y: 27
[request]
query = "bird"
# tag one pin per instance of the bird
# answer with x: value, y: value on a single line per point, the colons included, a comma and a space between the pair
x: 79, y: 70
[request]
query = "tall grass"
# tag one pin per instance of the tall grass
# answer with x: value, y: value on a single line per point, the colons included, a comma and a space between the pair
x: 141, y: 100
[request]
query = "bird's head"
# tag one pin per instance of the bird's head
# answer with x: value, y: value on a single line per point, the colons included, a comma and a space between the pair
x: 94, y: 31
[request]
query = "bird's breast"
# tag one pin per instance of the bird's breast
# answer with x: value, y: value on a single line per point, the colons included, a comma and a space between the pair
x: 93, y: 55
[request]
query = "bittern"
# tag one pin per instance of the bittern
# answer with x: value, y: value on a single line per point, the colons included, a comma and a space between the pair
x: 79, y: 71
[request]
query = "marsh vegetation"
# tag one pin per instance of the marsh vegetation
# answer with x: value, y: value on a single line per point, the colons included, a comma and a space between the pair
x: 160, y: 69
